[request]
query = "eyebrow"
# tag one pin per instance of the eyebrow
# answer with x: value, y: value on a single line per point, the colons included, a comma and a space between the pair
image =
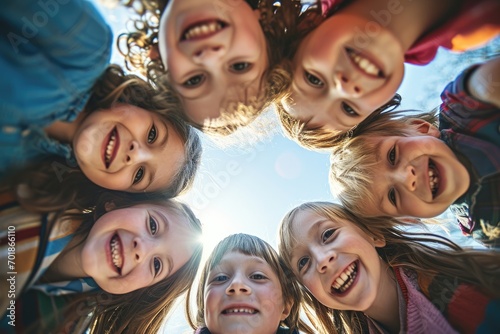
x: 161, y: 146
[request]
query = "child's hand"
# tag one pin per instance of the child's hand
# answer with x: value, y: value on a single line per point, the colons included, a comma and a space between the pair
x: 484, y: 84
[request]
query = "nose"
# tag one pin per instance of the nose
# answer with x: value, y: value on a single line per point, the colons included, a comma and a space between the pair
x: 208, y: 53
x: 140, y: 249
x: 238, y: 286
x: 345, y: 83
x: 135, y: 153
x: 407, y: 176
x: 323, y: 260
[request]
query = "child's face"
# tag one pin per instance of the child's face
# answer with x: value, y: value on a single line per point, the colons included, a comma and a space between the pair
x: 243, y: 295
x: 128, y: 148
x: 215, y: 53
x: 337, y: 261
x: 132, y: 248
x: 415, y: 176
x: 341, y: 75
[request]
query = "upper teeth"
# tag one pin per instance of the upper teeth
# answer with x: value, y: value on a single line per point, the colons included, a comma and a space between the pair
x: 110, y: 147
x: 115, y: 252
x: 344, y: 281
x: 240, y: 310
x: 202, y: 29
x: 364, y: 63
x: 433, y: 179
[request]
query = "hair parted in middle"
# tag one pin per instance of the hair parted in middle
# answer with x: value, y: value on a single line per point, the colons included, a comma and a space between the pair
x: 426, y: 253
x: 352, y: 159
x: 252, y: 246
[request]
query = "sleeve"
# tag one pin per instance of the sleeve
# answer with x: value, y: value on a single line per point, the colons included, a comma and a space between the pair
x: 52, y: 52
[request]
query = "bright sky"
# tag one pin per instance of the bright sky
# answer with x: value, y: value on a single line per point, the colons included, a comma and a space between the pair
x: 250, y: 188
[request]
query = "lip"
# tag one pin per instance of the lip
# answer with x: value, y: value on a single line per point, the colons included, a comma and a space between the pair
x: 232, y: 306
x: 370, y: 58
x: 442, y: 178
x: 195, y: 18
x: 342, y: 294
x: 115, y: 148
x: 206, y: 35
x: 109, y: 256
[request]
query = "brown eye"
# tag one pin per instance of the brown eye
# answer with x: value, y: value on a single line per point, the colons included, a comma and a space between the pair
x: 313, y: 80
x: 139, y: 175
x: 349, y: 110
x: 194, y: 81
x: 152, y: 135
x: 240, y: 67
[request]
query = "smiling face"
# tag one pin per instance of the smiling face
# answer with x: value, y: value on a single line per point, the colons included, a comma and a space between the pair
x: 342, y: 74
x: 243, y: 295
x: 132, y: 248
x: 416, y: 176
x: 215, y: 54
x: 128, y: 148
x: 337, y: 262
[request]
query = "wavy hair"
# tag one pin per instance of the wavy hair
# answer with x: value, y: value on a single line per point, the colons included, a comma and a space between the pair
x: 252, y: 246
x: 426, y: 253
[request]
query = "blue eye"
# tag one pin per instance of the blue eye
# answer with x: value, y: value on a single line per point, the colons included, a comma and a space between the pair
x: 391, y: 156
x: 313, y: 80
x: 153, y: 225
x: 157, y: 266
x: 152, y: 135
x: 349, y: 110
x: 220, y: 278
x: 139, y: 175
x: 302, y: 263
x: 327, y: 234
x: 392, y: 196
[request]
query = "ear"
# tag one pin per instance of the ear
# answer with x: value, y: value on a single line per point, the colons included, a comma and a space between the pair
x: 424, y: 127
x: 153, y: 52
x: 286, y: 310
x: 109, y: 206
x: 379, y: 241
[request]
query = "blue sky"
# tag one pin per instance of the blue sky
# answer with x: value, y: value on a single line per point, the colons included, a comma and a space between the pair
x: 248, y: 188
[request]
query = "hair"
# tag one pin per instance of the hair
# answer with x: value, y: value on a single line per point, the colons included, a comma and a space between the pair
x: 139, y: 311
x: 252, y: 246
x: 353, y: 159
x: 426, y: 253
x: 318, y: 138
x: 56, y: 184
x: 278, y: 19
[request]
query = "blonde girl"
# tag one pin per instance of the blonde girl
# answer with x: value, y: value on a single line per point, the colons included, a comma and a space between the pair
x: 365, y: 275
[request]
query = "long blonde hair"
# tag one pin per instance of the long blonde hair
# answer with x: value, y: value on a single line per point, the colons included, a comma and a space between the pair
x: 426, y: 253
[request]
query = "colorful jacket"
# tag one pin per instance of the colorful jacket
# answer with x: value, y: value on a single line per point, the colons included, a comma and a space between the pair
x: 51, y: 54
x: 471, y: 129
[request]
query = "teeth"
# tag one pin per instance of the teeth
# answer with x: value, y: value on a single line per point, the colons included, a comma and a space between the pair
x: 433, y: 178
x: 240, y: 310
x: 202, y: 30
x: 364, y: 64
x: 115, y: 252
x: 110, y: 147
x: 345, y: 280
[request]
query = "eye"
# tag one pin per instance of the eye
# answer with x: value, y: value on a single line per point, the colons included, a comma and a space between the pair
x: 327, y: 234
x: 302, y: 263
x: 240, y: 67
x: 153, y: 225
x: 391, y: 155
x: 258, y: 276
x: 139, y: 175
x: 349, y: 110
x: 194, y: 81
x: 392, y: 196
x: 220, y: 278
x: 152, y: 135
x: 157, y: 266
x: 313, y: 80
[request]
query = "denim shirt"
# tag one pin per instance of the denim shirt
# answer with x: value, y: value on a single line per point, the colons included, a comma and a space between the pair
x: 51, y: 54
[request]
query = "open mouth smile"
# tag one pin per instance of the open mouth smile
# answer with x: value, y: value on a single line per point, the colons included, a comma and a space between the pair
x: 239, y: 310
x: 433, y: 179
x: 111, y: 147
x: 116, y: 253
x: 345, y: 280
x: 364, y: 64
x: 203, y: 29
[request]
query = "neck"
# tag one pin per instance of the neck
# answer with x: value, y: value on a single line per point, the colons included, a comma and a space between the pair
x: 64, y: 131
x: 385, y: 308
x: 406, y: 20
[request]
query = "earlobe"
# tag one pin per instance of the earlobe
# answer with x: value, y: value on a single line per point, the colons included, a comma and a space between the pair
x: 286, y: 310
x: 379, y: 242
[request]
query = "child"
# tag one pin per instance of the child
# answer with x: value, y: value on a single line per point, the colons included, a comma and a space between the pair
x: 244, y: 288
x: 142, y: 255
x: 365, y: 276
x: 220, y: 57
x: 127, y: 139
x: 397, y: 169
x: 352, y: 63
